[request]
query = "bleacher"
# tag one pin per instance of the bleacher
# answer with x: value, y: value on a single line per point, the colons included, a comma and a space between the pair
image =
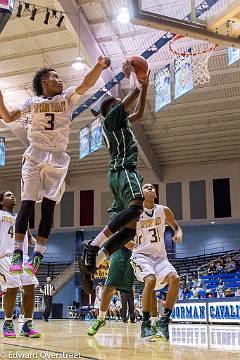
x: 231, y: 281
x: 192, y: 264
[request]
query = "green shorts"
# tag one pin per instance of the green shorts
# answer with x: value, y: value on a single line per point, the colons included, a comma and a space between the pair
x: 121, y: 274
x: 126, y: 185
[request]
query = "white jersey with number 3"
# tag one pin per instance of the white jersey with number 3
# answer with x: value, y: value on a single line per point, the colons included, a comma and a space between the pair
x: 7, y: 234
x: 50, y: 119
x: 150, y: 232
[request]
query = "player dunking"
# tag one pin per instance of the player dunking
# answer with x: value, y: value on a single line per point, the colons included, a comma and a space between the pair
x: 150, y: 262
x: 45, y: 162
x: 13, y: 283
x: 123, y: 178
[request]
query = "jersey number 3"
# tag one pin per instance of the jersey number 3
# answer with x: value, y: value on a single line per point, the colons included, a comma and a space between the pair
x: 11, y: 231
x: 50, y: 121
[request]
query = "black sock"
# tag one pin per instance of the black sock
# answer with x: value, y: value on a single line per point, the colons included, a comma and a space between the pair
x: 167, y: 312
x: 146, y: 315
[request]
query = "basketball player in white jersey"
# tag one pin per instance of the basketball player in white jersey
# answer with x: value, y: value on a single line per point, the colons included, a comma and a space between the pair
x: 98, y: 292
x: 45, y: 162
x: 150, y: 262
x: 9, y: 282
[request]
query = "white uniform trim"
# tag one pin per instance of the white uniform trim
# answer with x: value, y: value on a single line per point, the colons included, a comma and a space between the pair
x: 129, y: 183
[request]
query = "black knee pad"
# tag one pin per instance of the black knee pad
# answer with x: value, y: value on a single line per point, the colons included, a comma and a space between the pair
x: 26, y: 209
x: 125, y: 217
x: 119, y: 240
x: 47, y: 214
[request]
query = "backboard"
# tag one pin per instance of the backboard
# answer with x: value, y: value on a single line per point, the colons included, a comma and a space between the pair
x: 192, y: 18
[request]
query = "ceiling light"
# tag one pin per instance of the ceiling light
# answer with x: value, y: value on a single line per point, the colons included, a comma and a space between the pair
x: 123, y: 17
x: 19, y: 10
x: 47, y: 17
x: 78, y: 65
x: 34, y: 11
x: 212, y: 222
x: 60, y: 21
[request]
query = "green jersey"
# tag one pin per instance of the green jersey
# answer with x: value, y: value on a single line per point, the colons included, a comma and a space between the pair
x: 120, y: 140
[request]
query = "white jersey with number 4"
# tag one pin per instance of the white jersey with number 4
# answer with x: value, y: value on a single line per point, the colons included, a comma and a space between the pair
x: 150, y: 232
x: 50, y: 119
x: 7, y: 234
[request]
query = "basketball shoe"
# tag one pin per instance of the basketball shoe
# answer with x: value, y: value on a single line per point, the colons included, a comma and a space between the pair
x: 29, y: 331
x: 8, y: 329
x: 16, y: 267
x: 146, y: 330
x: 162, y: 326
x: 32, y: 264
x: 96, y: 326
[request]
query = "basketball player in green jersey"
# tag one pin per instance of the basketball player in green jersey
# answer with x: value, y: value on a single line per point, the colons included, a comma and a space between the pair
x: 123, y: 178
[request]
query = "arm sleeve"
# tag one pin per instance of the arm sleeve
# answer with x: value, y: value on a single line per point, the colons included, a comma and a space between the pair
x: 71, y: 95
x: 116, y: 118
x: 25, y: 107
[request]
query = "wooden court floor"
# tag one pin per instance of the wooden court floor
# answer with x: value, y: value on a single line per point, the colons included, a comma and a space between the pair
x: 65, y: 339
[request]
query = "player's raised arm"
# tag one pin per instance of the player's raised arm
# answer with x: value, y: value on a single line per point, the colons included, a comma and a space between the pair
x: 174, y: 225
x: 6, y: 115
x: 139, y: 110
x: 93, y: 75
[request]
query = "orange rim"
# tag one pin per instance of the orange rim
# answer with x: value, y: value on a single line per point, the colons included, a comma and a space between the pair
x: 196, y: 53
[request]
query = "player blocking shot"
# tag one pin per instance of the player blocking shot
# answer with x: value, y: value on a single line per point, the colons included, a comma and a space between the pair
x: 45, y: 162
x: 150, y: 262
x: 123, y: 179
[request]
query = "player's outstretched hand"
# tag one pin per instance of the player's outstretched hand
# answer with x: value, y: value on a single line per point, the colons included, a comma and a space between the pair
x: 145, y: 82
x: 177, y: 238
x: 130, y: 245
x: 104, y: 61
x: 127, y: 68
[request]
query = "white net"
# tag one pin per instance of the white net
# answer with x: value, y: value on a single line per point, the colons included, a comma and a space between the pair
x: 195, y: 56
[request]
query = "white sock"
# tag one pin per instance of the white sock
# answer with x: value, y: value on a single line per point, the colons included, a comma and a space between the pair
x: 99, y: 239
x: 102, y: 314
x: 39, y: 248
x: 18, y: 244
x: 154, y: 319
x: 8, y: 319
x: 100, y: 258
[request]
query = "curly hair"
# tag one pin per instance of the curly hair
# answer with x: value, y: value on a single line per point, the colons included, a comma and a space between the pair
x: 105, y: 104
x: 37, y: 80
x: 1, y: 198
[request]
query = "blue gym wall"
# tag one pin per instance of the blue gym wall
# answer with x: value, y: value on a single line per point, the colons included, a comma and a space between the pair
x: 61, y: 247
x: 209, y: 239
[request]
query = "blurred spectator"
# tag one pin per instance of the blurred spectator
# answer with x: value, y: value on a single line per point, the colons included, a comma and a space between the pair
x: 219, y: 268
x: 228, y: 293
x: 237, y: 292
x: 201, y: 292
x: 220, y: 289
x: 211, y: 269
x: 187, y: 293
x: 231, y: 265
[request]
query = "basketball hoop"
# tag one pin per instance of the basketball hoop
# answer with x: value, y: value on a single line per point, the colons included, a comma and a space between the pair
x: 196, y: 55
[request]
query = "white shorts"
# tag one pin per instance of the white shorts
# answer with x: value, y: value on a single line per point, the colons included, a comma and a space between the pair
x: 144, y: 265
x: 97, y: 304
x: 14, y: 281
x: 43, y: 174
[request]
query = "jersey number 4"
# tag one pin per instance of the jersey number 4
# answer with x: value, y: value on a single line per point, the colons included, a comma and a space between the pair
x: 50, y: 122
x: 11, y: 231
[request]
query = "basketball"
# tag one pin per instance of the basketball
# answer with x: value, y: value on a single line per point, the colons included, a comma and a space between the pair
x: 140, y: 66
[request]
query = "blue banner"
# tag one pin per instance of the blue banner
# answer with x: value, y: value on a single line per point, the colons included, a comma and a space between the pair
x: 84, y: 142
x: 183, y: 77
x: 96, y: 135
x: 162, y: 84
x: 2, y: 152
x: 233, y: 55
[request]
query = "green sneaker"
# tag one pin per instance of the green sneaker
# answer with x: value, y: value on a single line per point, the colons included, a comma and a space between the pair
x: 146, y: 330
x: 95, y: 326
x: 163, y: 327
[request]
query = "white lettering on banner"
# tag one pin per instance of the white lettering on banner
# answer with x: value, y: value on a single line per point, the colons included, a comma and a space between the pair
x: 192, y: 312
x: 224, y: 312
